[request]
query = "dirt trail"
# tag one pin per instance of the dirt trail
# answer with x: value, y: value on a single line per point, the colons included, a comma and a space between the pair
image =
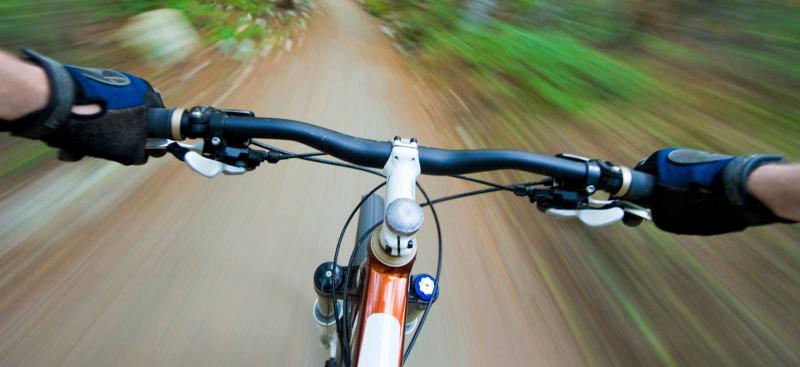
x: 182, y: 270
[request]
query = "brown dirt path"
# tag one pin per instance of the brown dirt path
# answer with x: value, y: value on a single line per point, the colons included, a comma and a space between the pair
x: 157, y: 266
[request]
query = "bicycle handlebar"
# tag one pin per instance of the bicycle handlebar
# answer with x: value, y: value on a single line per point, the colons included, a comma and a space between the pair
x: 372, y: 153
x: 177, y: 124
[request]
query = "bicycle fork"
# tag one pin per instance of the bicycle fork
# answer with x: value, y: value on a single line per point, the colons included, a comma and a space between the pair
x: 391, y: 251
x: 422, y: 290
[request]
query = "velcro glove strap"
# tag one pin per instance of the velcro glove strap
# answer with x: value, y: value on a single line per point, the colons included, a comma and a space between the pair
x: 62, y: 96
x: 734, y: 182
x: 117, y: 132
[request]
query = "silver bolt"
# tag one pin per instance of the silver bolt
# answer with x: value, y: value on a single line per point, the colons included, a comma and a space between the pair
x: 404, y: 217
x: 590, y: 189
x: 215, y: 141
x: 328, y: 273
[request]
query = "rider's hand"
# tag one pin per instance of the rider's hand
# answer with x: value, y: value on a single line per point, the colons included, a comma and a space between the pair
x: 95, y: 112
x: 705, y: 193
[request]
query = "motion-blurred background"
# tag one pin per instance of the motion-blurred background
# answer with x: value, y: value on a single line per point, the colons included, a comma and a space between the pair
x: 616, y: 79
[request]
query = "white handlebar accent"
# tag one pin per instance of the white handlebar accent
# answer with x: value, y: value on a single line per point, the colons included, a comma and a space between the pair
x: 402, y: 169
x: 627, y: 177
x: 590, y: 217
x: 175, y: 124
x: 209, y: 167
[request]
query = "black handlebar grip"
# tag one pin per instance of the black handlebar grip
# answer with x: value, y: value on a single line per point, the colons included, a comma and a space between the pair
x: 159, y: 123
x: 642, y: 186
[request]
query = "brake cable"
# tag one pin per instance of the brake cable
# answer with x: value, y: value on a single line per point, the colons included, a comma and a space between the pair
x: 342, y: 330
x: 435, y: 279
x: 306, y: 157
x: 520, y: 189
x: 285, y: 154
x: 347, y: 274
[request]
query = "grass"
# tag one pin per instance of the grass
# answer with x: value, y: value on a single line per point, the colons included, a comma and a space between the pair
x: 508, y: 64
x: 523, y: 66
x: 579, y: 82
x: 48, y: 26
x: 579, y: 62
x: 221, y: 23
x: 376, y: 7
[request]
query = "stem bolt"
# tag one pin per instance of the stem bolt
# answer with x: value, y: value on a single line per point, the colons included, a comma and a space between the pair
x: 404, y: 217
x: 590, y: 189
x: 215, y: 141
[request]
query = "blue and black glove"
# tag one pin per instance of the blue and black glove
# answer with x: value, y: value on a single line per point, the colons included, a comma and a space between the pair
x: 705, y: 193
x: 117, y: 132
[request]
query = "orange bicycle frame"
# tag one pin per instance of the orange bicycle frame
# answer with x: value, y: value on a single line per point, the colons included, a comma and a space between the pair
x: 382, y: 308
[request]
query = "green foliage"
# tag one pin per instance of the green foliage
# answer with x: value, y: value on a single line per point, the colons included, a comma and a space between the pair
x: 513, y: 63
x: 600, y: 21
x: 218, y: 21
x: 215, y: 20
x: 376, y: 7
x: 120, y: 8
x: 46, y: 24
x: 571, y: 54
x: 526, y: 66
x: 253, y: 31
x: 416, y: 21
x: 254, y: 7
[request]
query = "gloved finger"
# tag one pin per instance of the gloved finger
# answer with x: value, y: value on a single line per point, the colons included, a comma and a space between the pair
x: 68, y: 156
x: 153, y: 97
x: 649, y: 164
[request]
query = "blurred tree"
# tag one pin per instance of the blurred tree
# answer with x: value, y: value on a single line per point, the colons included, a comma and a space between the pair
x: 287, y: 4
x: 479, y: 11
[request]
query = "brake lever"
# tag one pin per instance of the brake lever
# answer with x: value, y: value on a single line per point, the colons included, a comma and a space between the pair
x: 191, y: 155
x: 209, y: 167
x: 590, y: 217
x: 599, y: 213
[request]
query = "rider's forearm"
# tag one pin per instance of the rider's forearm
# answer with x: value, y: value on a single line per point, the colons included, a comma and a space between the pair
x: 24, y: 87
x: 776, y: 185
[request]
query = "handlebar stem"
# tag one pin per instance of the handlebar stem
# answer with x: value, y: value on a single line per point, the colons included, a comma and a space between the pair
x: 397, y: 242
